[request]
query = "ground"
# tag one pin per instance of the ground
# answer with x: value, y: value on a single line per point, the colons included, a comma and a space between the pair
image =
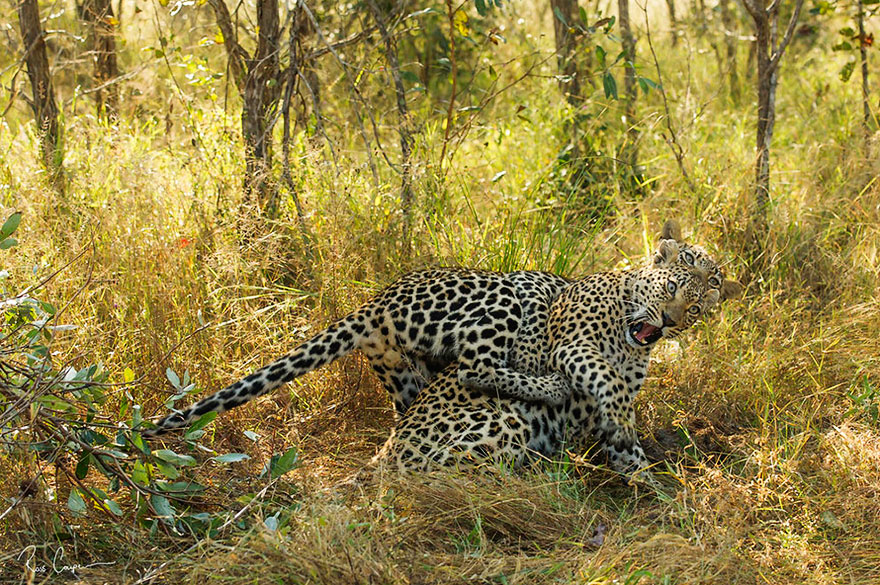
x: 763, y: 421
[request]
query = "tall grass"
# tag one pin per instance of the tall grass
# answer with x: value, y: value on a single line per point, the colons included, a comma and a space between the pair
x: 764, y: 419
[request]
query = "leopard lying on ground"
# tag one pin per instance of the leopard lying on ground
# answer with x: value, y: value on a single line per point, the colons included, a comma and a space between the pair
x: 601, y: 331
x: 493, y: 325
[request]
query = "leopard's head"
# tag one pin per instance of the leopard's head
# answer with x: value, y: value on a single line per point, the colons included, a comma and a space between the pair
x: 673, y: 249
x: 666, y: 299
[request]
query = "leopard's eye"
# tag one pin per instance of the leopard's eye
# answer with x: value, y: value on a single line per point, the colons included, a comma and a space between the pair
x: 687, y: 257
x: 671, y: 287
x: 714, y: 282
x: 694, y: 310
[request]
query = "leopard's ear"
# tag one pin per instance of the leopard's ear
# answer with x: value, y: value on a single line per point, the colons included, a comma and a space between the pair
x: 671, y: 230
x: 730, y: 289
x: 666, y: 254
x: 712, y: 297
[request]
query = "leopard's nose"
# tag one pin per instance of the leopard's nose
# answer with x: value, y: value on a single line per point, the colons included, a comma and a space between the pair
x: 667, y: 320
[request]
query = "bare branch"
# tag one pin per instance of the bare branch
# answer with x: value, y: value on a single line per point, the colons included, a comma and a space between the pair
x: 753, y: 8
x: 238, y: 56
x: 792, y: 23
x: 674, y: 145
x: 340, y: 44
x: 358, y: 117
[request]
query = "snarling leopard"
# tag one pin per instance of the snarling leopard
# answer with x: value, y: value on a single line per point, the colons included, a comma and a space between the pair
x: 600, y: 334
x: 492, y: 325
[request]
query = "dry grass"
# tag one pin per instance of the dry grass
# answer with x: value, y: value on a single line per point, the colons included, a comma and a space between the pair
x: 761, y: 419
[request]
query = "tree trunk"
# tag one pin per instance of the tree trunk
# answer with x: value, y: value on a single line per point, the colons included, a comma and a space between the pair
x: 673, y: 23
x: 258, y: 79
x: 261, y: 94
x: 698, y: 8
x: 766, y: 116
x: 566, y: 54
x: 630, y: 151
x: 769, y: 52
x: 45, y: 110
x: 101, y: 22
x: 304, y: 33
x: 404, y: 122
x: 863, y: 53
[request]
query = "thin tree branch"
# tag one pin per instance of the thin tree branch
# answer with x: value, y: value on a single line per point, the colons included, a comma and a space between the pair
x: 672, y: 141
x: 237, y: 55
x: 752, y: 8
x: 358, y: 117
x: 792, y: 23
x: 339, y: 44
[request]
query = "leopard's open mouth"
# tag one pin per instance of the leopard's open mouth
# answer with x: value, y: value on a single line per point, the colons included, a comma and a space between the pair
x: 644, y: 333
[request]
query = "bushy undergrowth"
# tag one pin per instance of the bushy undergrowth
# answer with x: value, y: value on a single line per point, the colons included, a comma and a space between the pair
x: 764, y: 419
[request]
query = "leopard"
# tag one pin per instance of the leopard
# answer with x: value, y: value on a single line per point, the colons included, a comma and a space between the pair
x: 601, y: 331
x: 491, y: 324
x: 481, y: 320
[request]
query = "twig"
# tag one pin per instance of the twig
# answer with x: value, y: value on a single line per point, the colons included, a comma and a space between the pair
x: 373, y: 169
x: 672, y: 140
x: 293, y: 73
x: 792, y: 24
x: 153, y: 573
x: 339, y: 44
x: 450, y: 13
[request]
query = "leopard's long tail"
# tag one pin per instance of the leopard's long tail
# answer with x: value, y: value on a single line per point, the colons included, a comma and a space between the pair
x: 338, y: 340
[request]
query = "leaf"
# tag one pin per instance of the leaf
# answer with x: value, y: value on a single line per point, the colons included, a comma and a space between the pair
x: 82, y: 468
x: 647, y: 84
x: 498, y: 176
x: 461, y: 23
x: 481, y: 7
x: 822, y: 7
x: 161, y: 506
x: 583, y: 14
x: 202, y: 422
x: 8, y: 243
x: 559, y: 16
x: 847, y: 71
x: 271, y: 522
x: 842, y: 46
x: 285, y: 463
x: 252, y: 436
x: 172, y: 377
x: 170, y: 456
x: 848, y: 32
x: 113, y: 507
x: 218, y: 37
x: 610, y: 85
x: 139, y: 474
x: 76, y: 503
x: 180, y: 487
x: 410, y: 77
x: 10, y: 225
x: 231, y: 457
x: 128, y: 375
x: 600, y: 55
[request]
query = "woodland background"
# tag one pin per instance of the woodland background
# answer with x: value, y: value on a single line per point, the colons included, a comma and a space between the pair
x: 192, y: 188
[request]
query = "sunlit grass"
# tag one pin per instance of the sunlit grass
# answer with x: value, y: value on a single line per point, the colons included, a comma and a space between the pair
x: 763, y: 419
